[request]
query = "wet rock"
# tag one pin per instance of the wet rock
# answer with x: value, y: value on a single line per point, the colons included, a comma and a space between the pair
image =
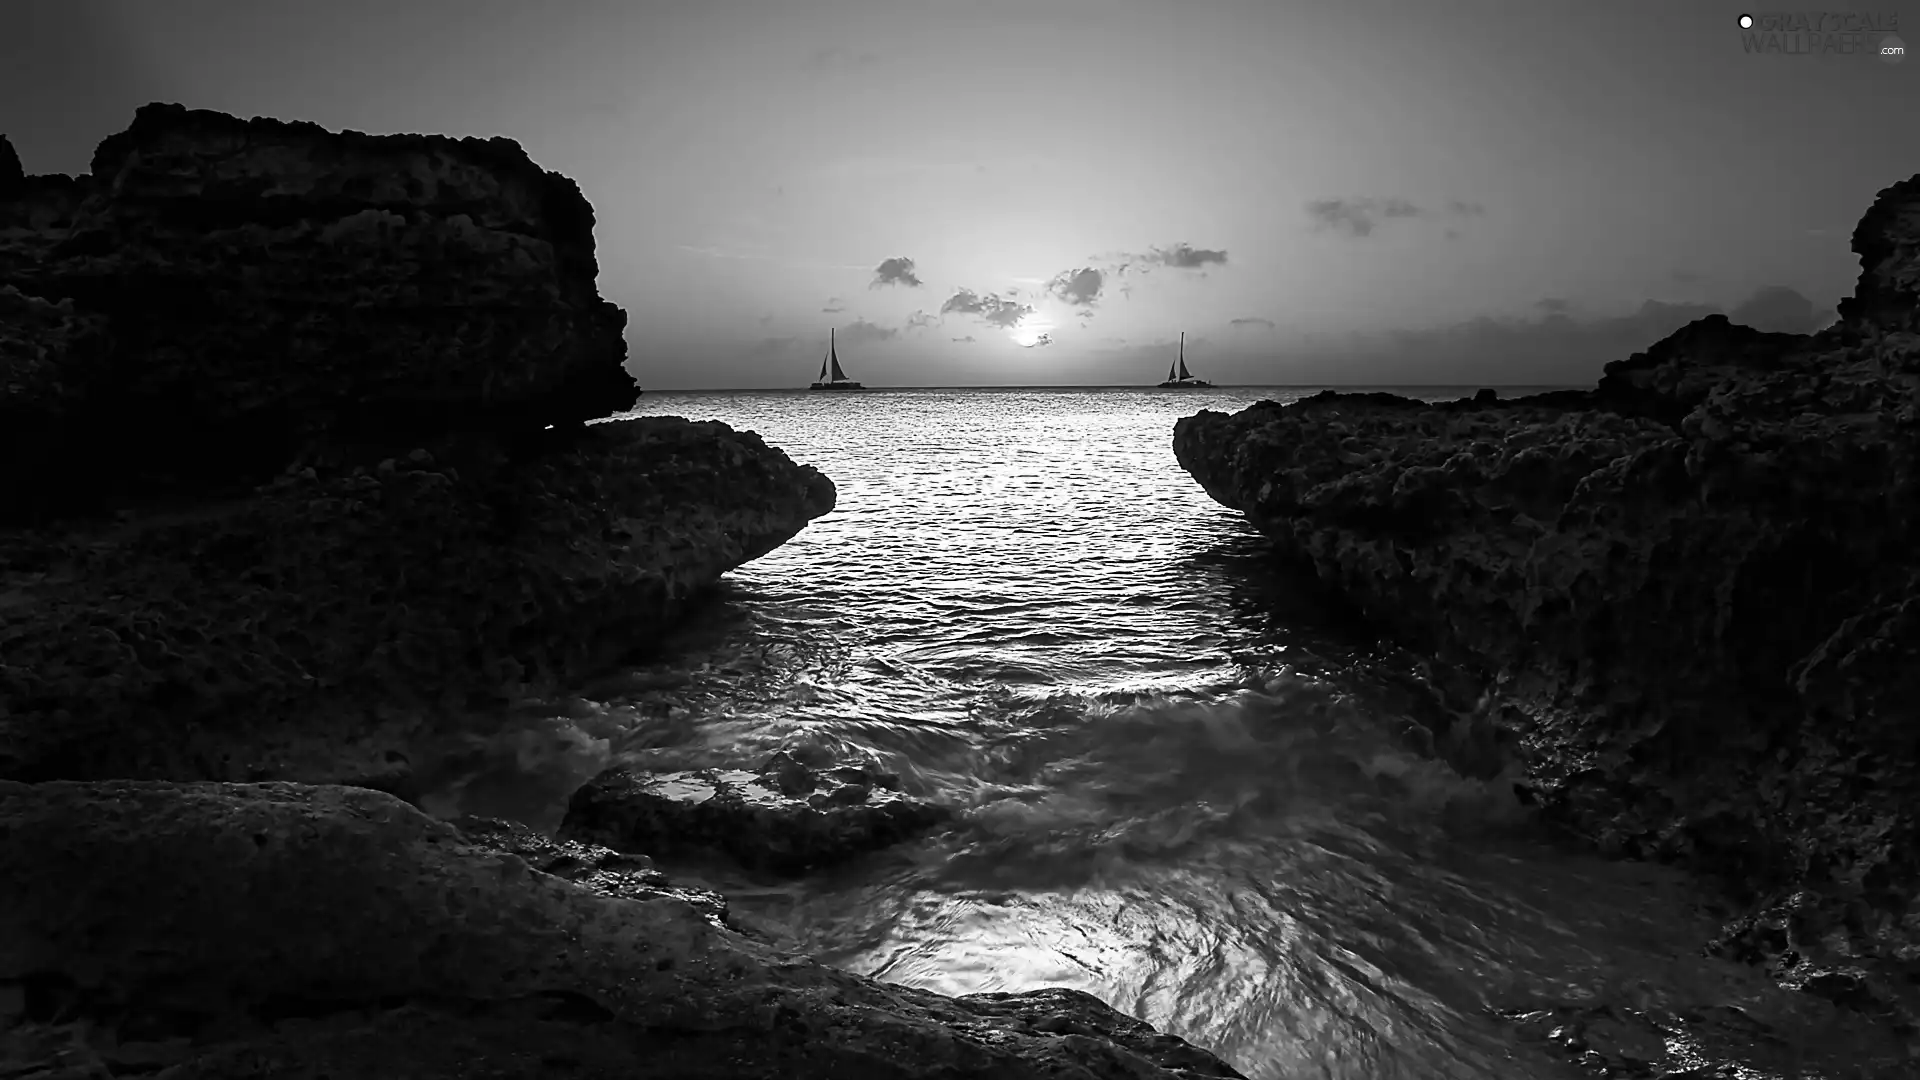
x: 315, y: 632
x: 1693, y: 589
x: 275, y: 284
x: 279, y: 929
x: 785, y: 818
x: 600, y: 869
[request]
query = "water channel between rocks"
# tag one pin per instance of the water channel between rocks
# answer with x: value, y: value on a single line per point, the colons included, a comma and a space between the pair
x: 1177, y: 795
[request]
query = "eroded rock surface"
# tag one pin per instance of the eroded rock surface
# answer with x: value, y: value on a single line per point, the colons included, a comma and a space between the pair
x: 293, y: 461
x: 1692, y: 588
x: 787, y: 817
x: 295, y: 468
x: 284, y: 930
x: 268, y: 285
x: 310, y: 631
x: 600, y: 869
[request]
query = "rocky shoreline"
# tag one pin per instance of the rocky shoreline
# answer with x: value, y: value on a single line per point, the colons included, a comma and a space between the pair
x: 299, y: 467
x: 1688, y: 596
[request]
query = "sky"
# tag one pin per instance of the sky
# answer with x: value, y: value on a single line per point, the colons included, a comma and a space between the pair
x: 1048, y: 192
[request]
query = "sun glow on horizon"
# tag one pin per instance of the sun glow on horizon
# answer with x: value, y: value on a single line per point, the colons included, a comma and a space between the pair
x: 1030, y: 332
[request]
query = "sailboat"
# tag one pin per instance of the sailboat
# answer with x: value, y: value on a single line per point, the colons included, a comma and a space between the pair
x: 831, y: 377
x: 1178, y: 377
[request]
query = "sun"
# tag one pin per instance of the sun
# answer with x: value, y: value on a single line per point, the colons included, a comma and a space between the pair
x: 1030, y: 332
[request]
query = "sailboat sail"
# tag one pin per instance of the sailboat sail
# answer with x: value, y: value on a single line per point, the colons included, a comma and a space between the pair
x: 823, y: 369
x: 833, y: 359
x: 1178, y: 377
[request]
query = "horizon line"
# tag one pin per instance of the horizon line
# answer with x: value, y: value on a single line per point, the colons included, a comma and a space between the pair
x: 1136, y: 386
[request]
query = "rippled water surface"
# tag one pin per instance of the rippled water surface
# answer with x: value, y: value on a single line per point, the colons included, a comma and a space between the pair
x: 1178, y: 793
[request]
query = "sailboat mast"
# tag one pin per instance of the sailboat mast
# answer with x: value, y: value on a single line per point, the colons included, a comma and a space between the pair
x: 833, y: 358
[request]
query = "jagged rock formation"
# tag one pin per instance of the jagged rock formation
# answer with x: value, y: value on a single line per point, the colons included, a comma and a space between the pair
x: 786, y: 818
x: 625, y: 875
x: 312, y: 631
x: 334, y: 390
x: 269, y: 285
x: 1691, y: 589
x: 398, y: 338
x: 277, y: 929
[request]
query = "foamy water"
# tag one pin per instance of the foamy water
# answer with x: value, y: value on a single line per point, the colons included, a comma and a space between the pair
x: 1178, y: 792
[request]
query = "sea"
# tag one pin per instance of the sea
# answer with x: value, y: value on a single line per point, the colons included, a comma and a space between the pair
x: 1181, y: 787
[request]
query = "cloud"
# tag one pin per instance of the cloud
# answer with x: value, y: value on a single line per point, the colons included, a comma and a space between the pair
x: 835, y: 306
x: 1185, y: 256
x: 1688, y: 277
x: 863, y: 331
x: 1359, y: 217
x: 773, y: 346
x: 1268, y: 323
x: 1079, y: 287
x: 1554, y: 304
x: 968, y: 340
x: 1779, y: 309
x: 920, y: 320
x: 1000, y: 312
x: 765, y: 319
x: 1181, y: 256
x: 898, y: 271
x: 1342, y: 216
x: 1043, y: 339
x: 1552, y: 348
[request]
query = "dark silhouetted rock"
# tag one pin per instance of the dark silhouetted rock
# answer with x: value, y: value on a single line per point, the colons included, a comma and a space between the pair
x: 1693, y: 587
x: 310, y: 631
x: 1887, y: 240
x: 786, y: 818
x: 49, y: 353
x: 12, y: 176
x: 36, y: 213
x: 283, y: 930
x: 271, y: 285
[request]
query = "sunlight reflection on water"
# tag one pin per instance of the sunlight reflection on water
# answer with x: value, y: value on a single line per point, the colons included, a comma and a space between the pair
x: 1027, y: 609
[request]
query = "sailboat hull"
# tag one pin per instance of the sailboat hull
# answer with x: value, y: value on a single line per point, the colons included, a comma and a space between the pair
x: 1184, y: 384
x: 848, y: 385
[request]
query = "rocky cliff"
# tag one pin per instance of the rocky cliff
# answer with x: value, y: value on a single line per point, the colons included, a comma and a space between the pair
x: 333, y: 387
x: 294, y: 470
x: 1691, y: 591
x: 263, y: 286
x: 316, y: 629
